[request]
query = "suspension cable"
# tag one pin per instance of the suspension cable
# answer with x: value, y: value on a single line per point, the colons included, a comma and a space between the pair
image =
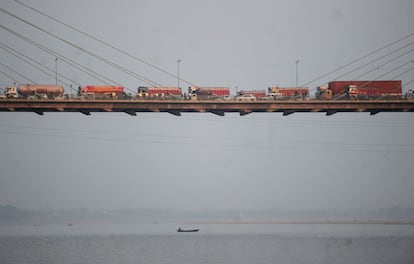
x: 90, y: 72
x: 358, y: 59
x: 38, y: 63
x: 385, y: 63
x: 18, y: 73
x: 22, y: 57
x: 377, y: 59
x: 103, y: 42
x: 116, y: 66
x: 11, y: 78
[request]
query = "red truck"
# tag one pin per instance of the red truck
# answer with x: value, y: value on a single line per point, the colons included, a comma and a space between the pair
x: 360, y: 90
x: 159, y: 92
x: 106, y: 91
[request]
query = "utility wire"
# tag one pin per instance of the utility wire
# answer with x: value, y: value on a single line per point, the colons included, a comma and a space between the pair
x: 293, y: 145
x: 120, y: 134
x: 357, y: 60
x: 116, y: 66
x: 103, y: 42
x: 63, y: 58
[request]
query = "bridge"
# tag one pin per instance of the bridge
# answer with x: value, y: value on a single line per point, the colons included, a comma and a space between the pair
x: 176, y: 107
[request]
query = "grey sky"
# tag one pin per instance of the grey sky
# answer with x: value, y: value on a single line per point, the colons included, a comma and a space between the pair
x: 155, y: 160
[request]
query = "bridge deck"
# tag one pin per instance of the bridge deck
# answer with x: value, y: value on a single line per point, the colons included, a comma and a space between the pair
x: 176, y: 107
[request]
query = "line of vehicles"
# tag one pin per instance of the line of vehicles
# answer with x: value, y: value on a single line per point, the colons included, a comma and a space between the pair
x: 335, y: 90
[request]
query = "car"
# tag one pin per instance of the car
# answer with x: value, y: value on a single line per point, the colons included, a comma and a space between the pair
x: 225, y: 98
x: 246, y: 97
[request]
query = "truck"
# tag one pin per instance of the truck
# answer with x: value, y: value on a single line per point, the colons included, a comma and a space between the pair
x: 101, y: 92
x: 40, y: 91
x: 208, y: 93
x: 9, y: 93
x: 159, y: 92
x: 288, y: 93
x: 255, y: 93
x: 388, y: 89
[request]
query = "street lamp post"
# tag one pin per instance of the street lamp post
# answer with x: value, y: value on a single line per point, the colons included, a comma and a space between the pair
x: 178, y: 72
x: 297, y: 74
x: 413, y: 75
x: 56, y: 60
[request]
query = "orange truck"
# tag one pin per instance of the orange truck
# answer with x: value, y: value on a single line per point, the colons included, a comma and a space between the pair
x: 107, y: 91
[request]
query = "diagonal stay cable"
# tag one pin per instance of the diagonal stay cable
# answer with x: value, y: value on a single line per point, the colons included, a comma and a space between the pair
x: 9, y: 76
x: 103, y: 42
x: 116, y: 66
x: 377, y: 59
x: 26, y: 60
x: 18, y: 73
x: 383, y: 64
x: 357, y: 60
x: 90, y: 72
x: 37, y: 63
x: 388, y: 72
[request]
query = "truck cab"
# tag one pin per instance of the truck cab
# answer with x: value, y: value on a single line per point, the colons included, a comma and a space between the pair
x: 352, y: 92
x: 11, y: 92
x: 323, y: 92
x: 274, y: 92
x: 142, y: 92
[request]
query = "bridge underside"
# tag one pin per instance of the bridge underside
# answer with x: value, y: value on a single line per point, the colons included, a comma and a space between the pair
x: 176, y: 107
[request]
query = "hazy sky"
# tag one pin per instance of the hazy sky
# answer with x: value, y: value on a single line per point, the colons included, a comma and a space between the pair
x: 202, y: 161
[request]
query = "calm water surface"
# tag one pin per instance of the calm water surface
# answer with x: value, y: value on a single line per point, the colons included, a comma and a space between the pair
x: 159, y: 243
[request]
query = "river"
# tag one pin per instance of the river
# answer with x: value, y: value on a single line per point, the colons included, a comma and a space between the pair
x: 214, y: 243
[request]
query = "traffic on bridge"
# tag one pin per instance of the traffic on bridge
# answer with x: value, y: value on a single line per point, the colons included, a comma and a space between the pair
x: 338, y: 96
x: 372, y: 94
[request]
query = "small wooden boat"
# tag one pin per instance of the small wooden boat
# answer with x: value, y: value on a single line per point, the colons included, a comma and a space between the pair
x: 187, y: 230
